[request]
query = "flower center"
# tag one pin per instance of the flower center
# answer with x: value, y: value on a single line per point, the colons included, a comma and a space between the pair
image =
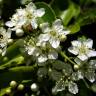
x: 83, y: 49
x: 1, y: 36
x: 53, y: 33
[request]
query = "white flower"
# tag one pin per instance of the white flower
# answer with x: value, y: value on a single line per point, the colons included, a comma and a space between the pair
x: 63, y: 83
x: 83, y: 49
x: 41, y: 55
x: 25, y: 16
x: 32, y: 13
x: 17, y: 20
x: 55, y: 34
x: 42, y: 58
x: 86, y: 70
x: 4, y: 36
x: 72, y: 87
x: 32, y: 50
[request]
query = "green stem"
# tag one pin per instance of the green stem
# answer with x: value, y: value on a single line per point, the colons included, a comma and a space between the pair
x: 67, y: 58
x: 47, y: 91
x: 15, y: 61
x: 51, y: 2
x: 86, y: 84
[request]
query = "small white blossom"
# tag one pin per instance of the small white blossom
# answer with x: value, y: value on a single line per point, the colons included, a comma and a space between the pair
x: 53, y: 34
x: 72, y: 87
x: 83, y: 49
x: 32, y: 50
x: 4, y: 36
x: 25, y: 16
x: 86, y: 70
x: 17, y: 20
x: 40, y: 56
x: 41, y: 53
x: 63, y: 83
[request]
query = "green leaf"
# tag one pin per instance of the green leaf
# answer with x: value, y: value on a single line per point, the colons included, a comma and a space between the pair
x: 42, y: 71
x: 3, y: 91
x: 49, y: 15
x: 14, y: 62
x: 72, y: 11
x: 87, y: 17
x: 93, y: 87
x: 74, y: 28
x: 59, y: 5
x: 55, y: 75
x: 58, y: 65
x: 13, y: 50
x: 66, y: 70
x: 16, y: 73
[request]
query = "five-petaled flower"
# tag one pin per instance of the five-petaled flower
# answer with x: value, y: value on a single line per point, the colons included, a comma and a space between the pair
x: 82, y: 48
x: 53, y: 34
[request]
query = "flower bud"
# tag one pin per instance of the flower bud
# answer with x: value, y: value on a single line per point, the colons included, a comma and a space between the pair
x: 19, y: 32
x: 20, y: 87
x: 34, y: 87
x: 10, y: 41
x: 13, y: 84
x: 76, y: 67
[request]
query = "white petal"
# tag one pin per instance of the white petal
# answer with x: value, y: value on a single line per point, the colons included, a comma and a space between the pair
x: 21, y: 21
x: 76, y: 43
x: 58, y: 26
x: 37, y: 52
x: 73, y: 50
x: 31, y: 50
x: 82, y: 57
x: 53, y: 55
x: 88, y: 43
x: 92, y: 64
x: 78, y: 61
x: 9, y: 24
x: 42, y: 58
x: 57, y: 23
x: 54, y: 42
x: 21, y: 12
x: 45, y: 27
x: 4, y: 52
x: 41, y: 43
x: 9, y: 33
x: 91, y: 53
x: 34, y: 23
x: 91, y: 76
x: 39, y: 12
x: 44, y: 37
x: 73, y: 88
x: 31, y: 7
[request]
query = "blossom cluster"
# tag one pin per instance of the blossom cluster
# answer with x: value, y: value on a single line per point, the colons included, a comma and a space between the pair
x: 25, y: 17
x: 46, y: 45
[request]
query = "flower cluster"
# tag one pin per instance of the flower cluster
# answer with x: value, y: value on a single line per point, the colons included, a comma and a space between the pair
x: 47, y: 42
x: 25, y: 17
x: 46, y: 45
x: 42, y: 53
